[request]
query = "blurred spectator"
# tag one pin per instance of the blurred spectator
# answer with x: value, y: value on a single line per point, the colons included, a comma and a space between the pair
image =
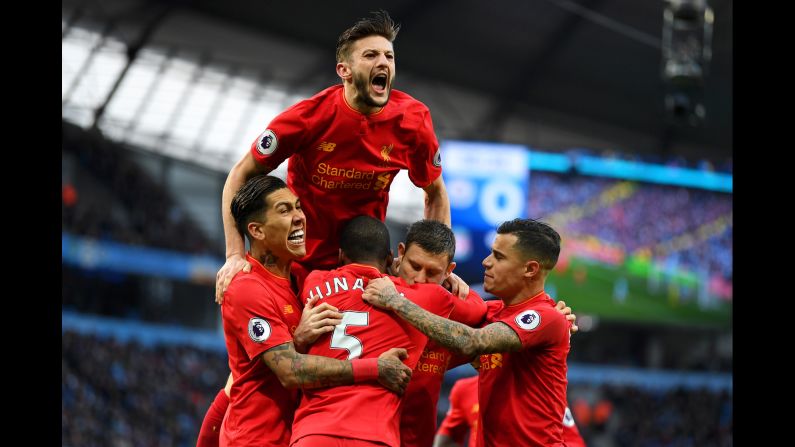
x: 633, y: 225
x: 138, y: 211
x: 124, y: 394
x: 68, y: 195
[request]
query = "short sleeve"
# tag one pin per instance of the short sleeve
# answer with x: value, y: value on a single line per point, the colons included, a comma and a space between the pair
x: 537, y: 327
x: 254, y: 315
x: 282, y: 138
x: 425, y: 161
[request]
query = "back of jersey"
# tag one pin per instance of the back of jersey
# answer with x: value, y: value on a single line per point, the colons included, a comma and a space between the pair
x: 365, y: 411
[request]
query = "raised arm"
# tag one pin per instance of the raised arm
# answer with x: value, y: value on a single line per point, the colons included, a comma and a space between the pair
x: 246, y: 168
x: 437, y: 204
x: 496, y: 337
x: 296, y: 370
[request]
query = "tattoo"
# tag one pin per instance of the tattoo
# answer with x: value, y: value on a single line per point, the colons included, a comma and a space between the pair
x: 269, y: 259
x: 496, y: 337
x: 306, y: 371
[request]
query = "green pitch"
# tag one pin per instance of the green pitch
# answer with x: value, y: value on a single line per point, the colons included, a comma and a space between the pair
x: 590, y: 288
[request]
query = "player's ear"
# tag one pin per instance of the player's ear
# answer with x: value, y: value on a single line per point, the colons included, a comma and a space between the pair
x: 401, y: 249
x: 343, y: 70
x: 532, y: 268
x: 450, y: 268
x: 255, y: 230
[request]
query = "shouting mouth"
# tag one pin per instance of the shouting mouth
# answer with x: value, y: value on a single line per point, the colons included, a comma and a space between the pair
x: 296, y: 237
x: 379, y: 83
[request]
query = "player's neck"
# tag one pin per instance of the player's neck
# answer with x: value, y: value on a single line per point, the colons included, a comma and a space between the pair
x: 527, y: 292
x: 278, y: 266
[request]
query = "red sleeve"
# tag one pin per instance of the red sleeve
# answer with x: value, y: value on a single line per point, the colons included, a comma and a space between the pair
x: 425, y: 163
x: 455, y: 423
x: 493, y: 307
x: 282, y: 138
x: 470, y: 310
x: 537, y: 326
x: 256, y: 319
x: 431, y: 297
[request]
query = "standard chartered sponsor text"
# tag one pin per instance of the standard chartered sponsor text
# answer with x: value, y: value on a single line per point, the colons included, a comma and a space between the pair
x: 332, y: 177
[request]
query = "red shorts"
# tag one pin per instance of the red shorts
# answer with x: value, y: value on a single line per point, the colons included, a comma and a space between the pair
x: 334, y: 441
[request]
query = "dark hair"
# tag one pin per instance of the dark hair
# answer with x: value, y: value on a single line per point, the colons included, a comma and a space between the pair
x: 534, y: 239
x: 365, y: 238
x: 251, y: 200
x: 432, y: 236
x: 378, y: 25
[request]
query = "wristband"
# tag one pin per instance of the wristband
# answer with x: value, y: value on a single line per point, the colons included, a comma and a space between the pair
x: 364, y: 369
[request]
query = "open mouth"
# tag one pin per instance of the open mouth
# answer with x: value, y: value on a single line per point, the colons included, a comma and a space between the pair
x: 379, y: 83
x: 296, y: 237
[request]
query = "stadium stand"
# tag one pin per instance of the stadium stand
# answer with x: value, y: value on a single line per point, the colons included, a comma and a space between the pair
x: 685, y: 226
x: 109, y: 197
x: 131, y: 384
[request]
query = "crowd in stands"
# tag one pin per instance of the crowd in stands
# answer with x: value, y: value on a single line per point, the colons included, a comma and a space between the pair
x: 135, y: 210
x: 629, y: 416
x: 125, y: 394
x: 667, y: 221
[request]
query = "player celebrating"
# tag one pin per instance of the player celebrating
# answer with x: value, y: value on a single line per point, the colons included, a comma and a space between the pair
x: 522, y: 350
x: 345, y: 145
x: 258, y: 318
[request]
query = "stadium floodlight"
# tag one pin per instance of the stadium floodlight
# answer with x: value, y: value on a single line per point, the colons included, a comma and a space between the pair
x: 686, y: 41
x: 686, y: 52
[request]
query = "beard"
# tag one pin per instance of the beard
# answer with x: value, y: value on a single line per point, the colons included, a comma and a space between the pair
x: 362, y: 84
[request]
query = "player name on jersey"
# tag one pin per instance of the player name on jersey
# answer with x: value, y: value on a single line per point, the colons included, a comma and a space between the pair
x: 336, y: 285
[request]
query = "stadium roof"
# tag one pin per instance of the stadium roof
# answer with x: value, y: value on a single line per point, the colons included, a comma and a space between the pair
x: 597, y: 58
x: 590, y: 66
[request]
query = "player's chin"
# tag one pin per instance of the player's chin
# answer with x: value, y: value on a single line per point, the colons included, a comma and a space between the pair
x: 297, y: 250
x: 381, y: 99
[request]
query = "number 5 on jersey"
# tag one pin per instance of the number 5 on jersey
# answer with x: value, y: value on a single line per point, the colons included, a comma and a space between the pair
x: 341, y: 340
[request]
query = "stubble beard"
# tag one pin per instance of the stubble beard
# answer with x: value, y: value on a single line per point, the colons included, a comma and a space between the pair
x: 362, y: 85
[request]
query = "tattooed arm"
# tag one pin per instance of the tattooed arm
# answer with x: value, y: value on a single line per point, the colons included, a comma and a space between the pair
x: 496, y: 337
x: 296, y: 370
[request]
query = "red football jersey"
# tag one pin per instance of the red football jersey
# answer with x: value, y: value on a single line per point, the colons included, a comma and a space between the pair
x: 571, y: 434
x: 523, y: 394
x: 342, y: 162
x: 365, y: 411
x: 260, y: 311
x: 418, y: 418
x: 462, y: 417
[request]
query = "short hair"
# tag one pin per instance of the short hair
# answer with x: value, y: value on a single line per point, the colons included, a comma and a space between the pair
x: 251, y: 200
x: 378, y: 25
x: 365, y: 238
x: 534, y: 239
x: 432, y: 236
